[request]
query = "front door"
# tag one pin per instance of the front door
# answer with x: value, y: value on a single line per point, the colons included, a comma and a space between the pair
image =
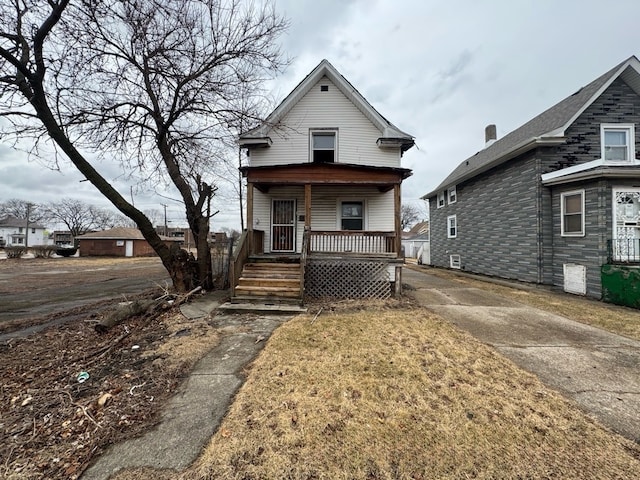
x: 283, y: 231
x: 626, y: 224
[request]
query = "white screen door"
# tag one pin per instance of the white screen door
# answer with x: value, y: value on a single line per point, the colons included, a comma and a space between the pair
x: 283, y: 232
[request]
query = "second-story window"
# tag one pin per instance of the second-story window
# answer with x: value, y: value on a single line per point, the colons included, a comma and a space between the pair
x: 324, y: 146
x: 618, y: 143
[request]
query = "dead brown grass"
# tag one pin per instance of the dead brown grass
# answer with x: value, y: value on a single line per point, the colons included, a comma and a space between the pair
x: 397, y: 394
x: 613, y: 318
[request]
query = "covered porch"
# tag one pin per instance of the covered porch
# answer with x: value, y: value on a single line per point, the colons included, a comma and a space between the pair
x: 343, y: 221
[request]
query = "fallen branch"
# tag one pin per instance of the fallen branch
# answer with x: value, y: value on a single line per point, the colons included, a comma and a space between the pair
x: 314, y: 318
x: 123, y: 312
x: 183, y: 298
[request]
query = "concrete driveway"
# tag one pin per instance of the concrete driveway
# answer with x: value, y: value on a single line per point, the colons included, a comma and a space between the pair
x: 599, y: 370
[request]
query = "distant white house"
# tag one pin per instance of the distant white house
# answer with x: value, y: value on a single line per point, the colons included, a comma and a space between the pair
x: 17, y: 231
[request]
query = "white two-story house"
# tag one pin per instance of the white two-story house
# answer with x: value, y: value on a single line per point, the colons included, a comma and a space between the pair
x: 19, y: 232
x: 323, y: 191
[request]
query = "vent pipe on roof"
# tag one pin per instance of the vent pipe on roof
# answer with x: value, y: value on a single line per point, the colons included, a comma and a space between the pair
x: 490, y: 135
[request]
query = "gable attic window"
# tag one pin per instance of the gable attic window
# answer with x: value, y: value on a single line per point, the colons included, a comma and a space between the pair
x: 323, y: 146
x: 618, y: 142
x: 324, y: 88
x: 572, y: 214
x: 440, y: 199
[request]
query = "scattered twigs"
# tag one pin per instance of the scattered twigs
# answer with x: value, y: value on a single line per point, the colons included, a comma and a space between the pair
x: 136, y: 386
x: 81, y: 407
x: 183, y: 298
x: 316, y: 316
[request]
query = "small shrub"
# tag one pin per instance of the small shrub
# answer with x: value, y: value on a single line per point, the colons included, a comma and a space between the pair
x: 43, y: 251
x: 15, y: 251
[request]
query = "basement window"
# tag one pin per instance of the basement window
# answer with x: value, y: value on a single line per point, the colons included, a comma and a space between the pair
x: 323, y: 146
x: 454, y: 261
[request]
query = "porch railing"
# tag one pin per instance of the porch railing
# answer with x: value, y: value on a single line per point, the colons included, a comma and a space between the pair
x: 352, y: 241
x: 304, y: 252
x: 250, y: 243
x: 623, y: 250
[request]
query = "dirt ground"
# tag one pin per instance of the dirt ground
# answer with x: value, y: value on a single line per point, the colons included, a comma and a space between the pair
x: 33, y: 291
x: 52, y: 422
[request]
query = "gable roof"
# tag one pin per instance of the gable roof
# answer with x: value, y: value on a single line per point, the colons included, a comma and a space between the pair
x: 120, y: 233
x: 548, y: 128
x: 389, y: 132
x: 11, y: 221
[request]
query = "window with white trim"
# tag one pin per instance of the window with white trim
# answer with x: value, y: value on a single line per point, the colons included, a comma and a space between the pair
x: 452, y: 226
x: 454, y: 261
x: 352, y: 215
x: 572, y: 214
x: 452, y: 195
x: 324, y: 146
x: 440, y: 200
x: 618, y: 142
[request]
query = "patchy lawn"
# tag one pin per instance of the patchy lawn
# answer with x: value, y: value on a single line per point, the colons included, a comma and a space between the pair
x: 398, y: 393
x: 613, y: 318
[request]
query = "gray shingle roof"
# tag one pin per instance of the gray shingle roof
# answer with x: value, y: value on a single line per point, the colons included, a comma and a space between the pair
x: 548, y: 126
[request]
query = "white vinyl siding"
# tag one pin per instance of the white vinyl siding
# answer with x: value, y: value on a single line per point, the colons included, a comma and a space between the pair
x: 325, y: 110
x: 325, y: 201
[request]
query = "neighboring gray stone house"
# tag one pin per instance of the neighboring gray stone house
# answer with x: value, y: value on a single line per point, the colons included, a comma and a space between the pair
x: 556, y: 200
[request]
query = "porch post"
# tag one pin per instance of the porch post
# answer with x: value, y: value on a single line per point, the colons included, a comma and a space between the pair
x: 250, y: 216
x: 307, y: 206
x: 397, y: 205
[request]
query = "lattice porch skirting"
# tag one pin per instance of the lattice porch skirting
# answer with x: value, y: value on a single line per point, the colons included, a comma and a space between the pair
x: 347, y: 278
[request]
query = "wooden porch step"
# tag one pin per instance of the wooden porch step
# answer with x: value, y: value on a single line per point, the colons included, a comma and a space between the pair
x: 265, y: 300
x: 271, y: 266
x: 276, y: 275
x: 262, y: 291
x: 269, y: 282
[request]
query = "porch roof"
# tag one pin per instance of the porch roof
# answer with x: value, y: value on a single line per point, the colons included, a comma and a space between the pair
x: 325, y: 174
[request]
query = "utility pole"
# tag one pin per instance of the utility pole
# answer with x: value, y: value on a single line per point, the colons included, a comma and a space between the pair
x: 165, y: 219
x: 26, y: 233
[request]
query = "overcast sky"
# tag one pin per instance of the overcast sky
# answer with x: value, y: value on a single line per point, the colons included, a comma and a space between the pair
x: 439, y: 70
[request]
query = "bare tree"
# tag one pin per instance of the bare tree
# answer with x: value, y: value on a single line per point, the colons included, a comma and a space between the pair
x: 409, y: 216
x: 78, y: 217
x: 155, y: 84
x: 23, y: 210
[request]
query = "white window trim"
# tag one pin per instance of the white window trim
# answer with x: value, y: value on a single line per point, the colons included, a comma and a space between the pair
x: 455, y: 261
x: 631, y: 141
x: 365, y: 212
x: 455, y: 195
x: 455, y: 220
x: 442, y: 196
x: 323, y: 130
x: 562, y: 197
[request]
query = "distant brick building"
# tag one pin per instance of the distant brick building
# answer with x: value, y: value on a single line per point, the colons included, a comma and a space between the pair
x: 118, y: 242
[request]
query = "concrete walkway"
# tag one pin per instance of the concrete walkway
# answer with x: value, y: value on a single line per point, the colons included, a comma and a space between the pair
x: 599, y: 370
x: 194, y: 413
